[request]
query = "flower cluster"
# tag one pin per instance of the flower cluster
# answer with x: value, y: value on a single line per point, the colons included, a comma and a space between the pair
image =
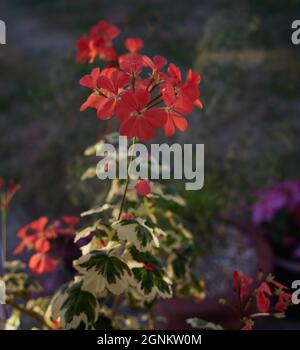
x: 98, y: 43
x: 42, y: 237
x: 277, y: 211
x: 6, y: 195
x: 269, y: 296
x: 140, y: 94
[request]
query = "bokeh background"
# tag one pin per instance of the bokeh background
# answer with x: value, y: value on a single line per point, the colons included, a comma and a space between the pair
x: 249, y: 124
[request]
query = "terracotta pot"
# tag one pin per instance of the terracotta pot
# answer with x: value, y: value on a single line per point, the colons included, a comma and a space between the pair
x: 177, y: 311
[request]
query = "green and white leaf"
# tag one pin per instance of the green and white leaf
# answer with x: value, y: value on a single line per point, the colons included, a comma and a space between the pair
x: 103, y: 271
x: 85, y: 232
x: 97, y: 210
x: 74, y: 307
x: 137, y: 233
x: 96, y: 227
x: 150, y: 285
x: 202, y: 324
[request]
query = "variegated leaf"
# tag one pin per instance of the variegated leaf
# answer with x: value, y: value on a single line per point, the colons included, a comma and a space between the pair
x: 149, y: 281
x: 136, y: 232
x: 103, y: 271
x: 74, y: 307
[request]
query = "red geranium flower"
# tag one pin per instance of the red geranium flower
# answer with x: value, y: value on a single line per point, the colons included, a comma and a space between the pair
x: 176, y: 105
x: 112, y: 85
x: 97, y: 43
x: 41, y: 237
x: 283, y: 302
x: 40, y: 263
x: 133, y: 45
x: 263, y: 302
x: 42, y: 245
x: 143, y: 187
x: 241, y: 284
x: 156, y: 65
x: 90, y: 80
x: 127, y: 93
x: 137, y: 119
x: 6, y: 195
x: 95, y: 100
x: 83, y: 49
x: 32, y: 233
x: 108, y: 87
x: 71, y: 220
x: 105, y: 29
x: 131, y: 64
x: 190, y: 88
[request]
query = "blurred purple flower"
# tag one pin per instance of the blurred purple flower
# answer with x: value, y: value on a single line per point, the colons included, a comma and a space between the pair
x: 284, y: 194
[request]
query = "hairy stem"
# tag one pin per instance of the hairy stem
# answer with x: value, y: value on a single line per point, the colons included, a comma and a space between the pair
x: 127, y: 180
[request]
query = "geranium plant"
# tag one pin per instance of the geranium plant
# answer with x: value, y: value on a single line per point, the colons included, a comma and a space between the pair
x: 133, y: 251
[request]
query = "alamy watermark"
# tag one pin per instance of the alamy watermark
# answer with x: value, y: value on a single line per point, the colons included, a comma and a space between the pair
x: 296, y: 293
x: 165, y: 162
x: 296, y: 33
x: 2, y: 33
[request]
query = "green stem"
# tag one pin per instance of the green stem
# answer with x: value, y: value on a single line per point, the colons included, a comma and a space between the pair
x: 118, y: 299
x: 4, y: 235
x: 127, y: 180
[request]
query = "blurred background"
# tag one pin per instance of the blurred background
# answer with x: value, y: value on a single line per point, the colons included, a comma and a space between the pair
x: 249, y: 125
